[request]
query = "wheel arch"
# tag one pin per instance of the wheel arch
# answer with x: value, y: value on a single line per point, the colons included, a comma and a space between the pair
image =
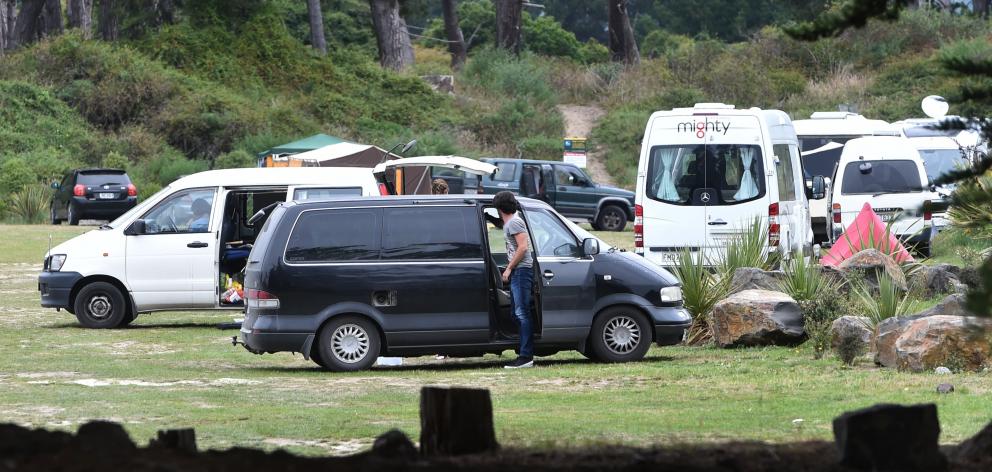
x: 616, y: 201
x: 101, y: 278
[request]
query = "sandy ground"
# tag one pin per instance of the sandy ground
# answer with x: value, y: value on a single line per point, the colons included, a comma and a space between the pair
x: 579, y: 121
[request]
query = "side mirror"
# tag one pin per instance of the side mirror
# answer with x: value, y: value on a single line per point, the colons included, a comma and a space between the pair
x: 55, y: 185
x: 136, y: 228
x: 590, y: 247
x: 819, y: 187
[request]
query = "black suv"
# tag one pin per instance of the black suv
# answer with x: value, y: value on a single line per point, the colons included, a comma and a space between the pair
x: 102, y: 194
x: 345, y: 281
x: 565, y: 187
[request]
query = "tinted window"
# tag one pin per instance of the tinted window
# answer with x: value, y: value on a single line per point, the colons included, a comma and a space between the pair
x: 431, y: 233
x: 335, y: 235
x: 942, y: 161
x: 184, y: 212
x: 675, y: 172
x: 864, y: 177
x: 823, y: 162
x: 506, y: 171
x: 324, y: 193
x: 783, y: 169
x: 265, y: 234
x: 105, y: 178
x: 551, y: 237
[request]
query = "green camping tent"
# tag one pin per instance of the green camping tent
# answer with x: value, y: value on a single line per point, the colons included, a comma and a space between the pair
x: 306, y: 144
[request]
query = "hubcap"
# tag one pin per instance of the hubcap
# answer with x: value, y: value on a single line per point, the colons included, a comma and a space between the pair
x: 611, y: 219
x: 350, y: 343
x: 622, y: 335
x: 99, y: 306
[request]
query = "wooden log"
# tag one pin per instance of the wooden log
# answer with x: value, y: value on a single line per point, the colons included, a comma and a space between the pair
x: 456, y: 421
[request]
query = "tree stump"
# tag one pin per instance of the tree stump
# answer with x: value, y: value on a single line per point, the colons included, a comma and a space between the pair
x: 456, y: 421
x: 177, y: 439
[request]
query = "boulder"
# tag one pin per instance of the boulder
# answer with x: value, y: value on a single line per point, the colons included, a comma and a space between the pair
x: 976, y: 450
x: 868, y: 264
x: 888, y: 331
x: 890, y: 437
x: 937, y: 280
x: 750, y: 278
x: 440, y: 83
x: 757, y: 318
x: 850, y: 326
x: 938, y: 340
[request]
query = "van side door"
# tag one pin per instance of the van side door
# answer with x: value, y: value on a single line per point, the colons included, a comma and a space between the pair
x: 793, y: 210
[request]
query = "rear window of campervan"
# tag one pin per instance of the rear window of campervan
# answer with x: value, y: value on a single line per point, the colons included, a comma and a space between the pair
x: 675, y: 172
x: 872, y: 177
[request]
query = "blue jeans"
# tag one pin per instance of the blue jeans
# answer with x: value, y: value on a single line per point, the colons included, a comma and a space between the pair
x: 521, y: 286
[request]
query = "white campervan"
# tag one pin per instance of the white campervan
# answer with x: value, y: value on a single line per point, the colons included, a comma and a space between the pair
x: 177, y: 249
x: 708, y: 171
x: 888, y: 174
x: 821, y: 139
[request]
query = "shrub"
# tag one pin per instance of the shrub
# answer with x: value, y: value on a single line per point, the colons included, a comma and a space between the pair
x: 819, y: 313
x: 544, y: 35
x: 593, y: 52
x: 235, y: 159
x: 115, y: 160
x: 15, y: 174
x: 701, y: 290
x: 747, y: 248
x: 849, y: 349
x: 804, y: 280
x: 29, y: 205
x: 887, y: 302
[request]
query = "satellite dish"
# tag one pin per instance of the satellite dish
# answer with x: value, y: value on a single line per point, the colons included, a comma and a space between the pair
x: 935, y: 106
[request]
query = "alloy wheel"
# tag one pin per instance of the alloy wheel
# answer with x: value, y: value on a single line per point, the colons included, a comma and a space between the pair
x: 350, y: 343
x: 621, y: 334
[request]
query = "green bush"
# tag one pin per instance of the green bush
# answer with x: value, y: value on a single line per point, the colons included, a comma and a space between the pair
x: 115, y: 160
x: 545, y: 36
x: 235, y: 159
x: 593, y: 52
x: 30, y: 204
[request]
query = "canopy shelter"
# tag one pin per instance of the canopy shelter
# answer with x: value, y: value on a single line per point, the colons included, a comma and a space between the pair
x: 303, y: 145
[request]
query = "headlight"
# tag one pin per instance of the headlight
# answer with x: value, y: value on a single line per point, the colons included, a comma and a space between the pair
x: 671, y: 294
x: 57, y: 260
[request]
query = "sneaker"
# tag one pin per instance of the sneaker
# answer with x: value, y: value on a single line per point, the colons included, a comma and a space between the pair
x: 520, y: 363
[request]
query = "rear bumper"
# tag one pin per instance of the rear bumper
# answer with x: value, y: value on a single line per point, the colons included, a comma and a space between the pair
x: 260, y: 335
x: 56, y: 287
x: 104, y: 208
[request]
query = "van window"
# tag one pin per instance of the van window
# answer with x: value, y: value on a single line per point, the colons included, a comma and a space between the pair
x: 334, y: 236
x: 505, y: 172
x: 187, y: 211
x: 324, y: 193
x: 823, y: 162
x: 783, y: 168
x: 872, y: 177
x: 939, y: 162
x: 676, y: 171
x: 418, y: 233
x: 551, y: 237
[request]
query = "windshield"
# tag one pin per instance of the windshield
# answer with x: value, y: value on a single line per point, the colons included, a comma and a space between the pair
x: 140, y: 207
x: 821, y: 163
x: 676, y: 172
x: 939, y: 162
x: 876, y: 177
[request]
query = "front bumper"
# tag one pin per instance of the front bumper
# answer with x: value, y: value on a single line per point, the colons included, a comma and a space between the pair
x: 670, y: 324
x: 56, y: 287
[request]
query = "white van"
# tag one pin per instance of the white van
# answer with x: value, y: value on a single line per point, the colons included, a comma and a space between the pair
x: 821, y: 139
x: 887, y: 173
x: 941, y: 155
x: 173, y: 250
x: 708, y: 171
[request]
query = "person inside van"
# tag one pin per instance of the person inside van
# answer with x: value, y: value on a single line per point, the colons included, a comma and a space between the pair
x: 519, y: 273
x: 201, y: 216
x: 439, y: 187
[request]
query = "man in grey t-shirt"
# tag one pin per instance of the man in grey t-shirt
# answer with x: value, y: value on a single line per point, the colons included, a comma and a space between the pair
x: 519, y: 273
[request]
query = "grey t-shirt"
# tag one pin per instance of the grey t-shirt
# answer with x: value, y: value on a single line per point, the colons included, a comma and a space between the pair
x: 516, y: 225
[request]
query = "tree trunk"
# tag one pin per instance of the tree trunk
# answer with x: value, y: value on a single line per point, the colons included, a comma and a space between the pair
x: 109, y: 20
x: 52, y: 16
x: 392, y: 36
x: 456, y: 421
x: 982, y: 8
x: 166, y: 12
x: 3, y: 25
x: 317, y: 39
x: 456, y: 42
x: 623, y: 46
x: 80, y: 13
x: 26, y: 24
x: 508, y: 24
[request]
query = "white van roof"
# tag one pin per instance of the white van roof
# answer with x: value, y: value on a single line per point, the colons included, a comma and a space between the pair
x: 261, y: 176
x: 934, y: 142
x: 879, y: 148
x: 778, y: 122
x: 842, y: 123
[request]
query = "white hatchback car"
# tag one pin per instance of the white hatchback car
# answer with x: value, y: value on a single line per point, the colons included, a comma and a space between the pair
x: 888, y: 174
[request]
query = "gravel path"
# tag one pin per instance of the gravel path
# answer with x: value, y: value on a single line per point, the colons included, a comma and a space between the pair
x: 579, y: 121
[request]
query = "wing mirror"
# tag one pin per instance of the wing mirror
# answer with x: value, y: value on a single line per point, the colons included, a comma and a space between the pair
x: 590, y: 247
x: 819, y: 187
x: 55, y: 185
x: 136, y: 228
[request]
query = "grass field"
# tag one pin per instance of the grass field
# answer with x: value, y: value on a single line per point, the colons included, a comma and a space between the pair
x: 173, y: 370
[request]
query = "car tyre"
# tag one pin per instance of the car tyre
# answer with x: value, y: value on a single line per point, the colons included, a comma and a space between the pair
x: 55, y: 219
x: 101, y: 305
x: 348, y: 343
x: 611, y: 218
x: 73, y: 216
x: 619, y: 334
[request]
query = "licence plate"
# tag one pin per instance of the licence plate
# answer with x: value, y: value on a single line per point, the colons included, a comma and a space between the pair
x: 887, y: 217
x: 669, y: 258
x: 106, y: 195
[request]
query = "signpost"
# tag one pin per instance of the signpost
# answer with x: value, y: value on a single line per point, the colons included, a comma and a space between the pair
x: 574, y: 151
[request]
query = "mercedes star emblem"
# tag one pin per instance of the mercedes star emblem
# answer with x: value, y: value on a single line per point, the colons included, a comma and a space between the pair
x: 705, y: 197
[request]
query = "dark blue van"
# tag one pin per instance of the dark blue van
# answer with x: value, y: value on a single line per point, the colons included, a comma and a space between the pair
x: 346, y: 281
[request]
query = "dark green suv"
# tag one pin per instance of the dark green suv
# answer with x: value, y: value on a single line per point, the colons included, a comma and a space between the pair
x: 565, y: 187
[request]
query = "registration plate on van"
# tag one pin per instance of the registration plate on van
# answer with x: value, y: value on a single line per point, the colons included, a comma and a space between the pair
x: 886, y: 217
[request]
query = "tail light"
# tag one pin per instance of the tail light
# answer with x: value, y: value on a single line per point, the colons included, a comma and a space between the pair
x: 260, y: 299
x: 79, y: 190
x: 774, y: 229
x: 927, y: 210
x: 382, y: 189
x: 132, y: 191
x: 836, y: 212
x: 639, y: 229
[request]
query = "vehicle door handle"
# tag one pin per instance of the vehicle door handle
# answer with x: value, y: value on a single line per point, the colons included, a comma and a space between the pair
x: 717, y: 223
x: 562, y: 189
x: 197, y: 244
x: 549, y: 275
